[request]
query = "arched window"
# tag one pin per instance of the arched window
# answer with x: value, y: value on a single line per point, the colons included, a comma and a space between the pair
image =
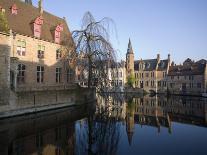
x: 21, y: 74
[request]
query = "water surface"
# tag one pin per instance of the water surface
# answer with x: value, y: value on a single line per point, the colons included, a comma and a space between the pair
x: 114, y: 125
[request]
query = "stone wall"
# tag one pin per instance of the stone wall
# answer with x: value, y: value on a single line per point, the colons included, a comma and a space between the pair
x: 4, y: 67
x: 31, y: 61
x: 175, y: 84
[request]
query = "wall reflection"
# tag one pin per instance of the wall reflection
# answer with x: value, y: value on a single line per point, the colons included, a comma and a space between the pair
x: 157, y: 111
x: 50, y: 133
x: 97, y: 128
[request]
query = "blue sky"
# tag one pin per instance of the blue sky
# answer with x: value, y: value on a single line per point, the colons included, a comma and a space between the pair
x: 178, y: 27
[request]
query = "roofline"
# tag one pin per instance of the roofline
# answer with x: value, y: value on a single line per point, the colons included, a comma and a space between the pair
x: 37, y: 38
x: 4, y: 33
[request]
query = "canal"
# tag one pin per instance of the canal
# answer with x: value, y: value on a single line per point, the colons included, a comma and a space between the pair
x: 115, y: 124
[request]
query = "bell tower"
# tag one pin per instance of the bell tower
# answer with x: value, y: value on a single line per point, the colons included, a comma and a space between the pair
x: 130, y: 59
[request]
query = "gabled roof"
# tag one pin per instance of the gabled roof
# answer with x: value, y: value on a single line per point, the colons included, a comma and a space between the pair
x: 163, y: 65
x: 202, y: 61
x: 22, y: 23
x: 149, y: 64
x: 182, y: 70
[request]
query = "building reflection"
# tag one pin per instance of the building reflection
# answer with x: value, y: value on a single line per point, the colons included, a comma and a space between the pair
x: 50, y: 133
x: 158, y: 111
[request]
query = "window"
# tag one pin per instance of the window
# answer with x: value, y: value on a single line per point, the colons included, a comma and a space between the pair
x: 37, y: 26
x: 58, y: 75
x: 120, y: 82
x: 112, y: 83
x: 172, y: 77
x: 69, y: 75
x: 159, y: 83
x: 21, y: 47
x: 41, y: 52
x: 147, y: 83
x: 21, y: 74
x: 14, y: 9
x: 198, y: 85
x: 178, y: 77
x: 58, y: 54
x: 120, y: 74
x: 164, y: 74
x: 191, y: 77
x: 147, y: 74
x: 58, y: 29
x: 40, y: 74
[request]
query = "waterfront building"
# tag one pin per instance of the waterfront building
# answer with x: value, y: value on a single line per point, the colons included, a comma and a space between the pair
x: 189, y: 78
x: 150, y: 74
x: 117, y: 75
x: 35, y: 52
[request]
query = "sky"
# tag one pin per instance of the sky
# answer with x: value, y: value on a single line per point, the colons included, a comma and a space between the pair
x: 177, y: 27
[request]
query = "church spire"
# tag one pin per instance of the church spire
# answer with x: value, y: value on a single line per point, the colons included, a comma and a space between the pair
x: 130, y: 50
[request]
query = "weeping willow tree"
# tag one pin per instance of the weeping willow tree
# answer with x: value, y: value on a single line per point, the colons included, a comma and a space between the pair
x: 92, y: 41
x: 4, y: 27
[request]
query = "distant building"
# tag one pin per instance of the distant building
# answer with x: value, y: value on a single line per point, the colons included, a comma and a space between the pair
x: 115, y: 72
x: 189, y: 78
x: 35, y: 54
x: 117, y: 75
x: 150, y: 74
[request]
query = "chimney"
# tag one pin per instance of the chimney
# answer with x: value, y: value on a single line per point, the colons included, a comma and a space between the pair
x: 40, y: 7
x: 158, y: 57
x: 168, y: 57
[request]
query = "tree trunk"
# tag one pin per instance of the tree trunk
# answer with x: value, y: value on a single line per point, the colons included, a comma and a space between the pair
x: 90, y: 73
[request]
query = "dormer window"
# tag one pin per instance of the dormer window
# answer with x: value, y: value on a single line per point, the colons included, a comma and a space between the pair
x: 37, y: 26
x: 14, y: 9
x: 58, y: 30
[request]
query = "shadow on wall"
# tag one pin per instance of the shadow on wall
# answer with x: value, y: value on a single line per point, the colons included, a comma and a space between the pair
x: 4, y: 73
x: 35, y: 76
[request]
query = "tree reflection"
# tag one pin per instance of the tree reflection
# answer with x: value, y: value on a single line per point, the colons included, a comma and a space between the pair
x: 101, y: 130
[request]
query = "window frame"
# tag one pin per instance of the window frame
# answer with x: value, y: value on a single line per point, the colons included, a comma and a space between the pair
x: 40, y: 74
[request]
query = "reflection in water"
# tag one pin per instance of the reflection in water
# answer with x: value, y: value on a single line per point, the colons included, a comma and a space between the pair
x: 117, y: 125
x: 50, y: 133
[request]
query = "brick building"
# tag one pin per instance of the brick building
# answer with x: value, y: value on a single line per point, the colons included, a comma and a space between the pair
x: 34, y: 55
x: 189, y: 78
x: 150, y: 74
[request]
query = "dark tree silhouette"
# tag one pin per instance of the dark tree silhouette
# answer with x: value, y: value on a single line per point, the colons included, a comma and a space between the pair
x: 92, y: 41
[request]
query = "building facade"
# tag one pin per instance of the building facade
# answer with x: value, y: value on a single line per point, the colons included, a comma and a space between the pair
x: 117, y: 75
x: 190, y: 78
x: 150, y: 74
x: 37, y: 48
